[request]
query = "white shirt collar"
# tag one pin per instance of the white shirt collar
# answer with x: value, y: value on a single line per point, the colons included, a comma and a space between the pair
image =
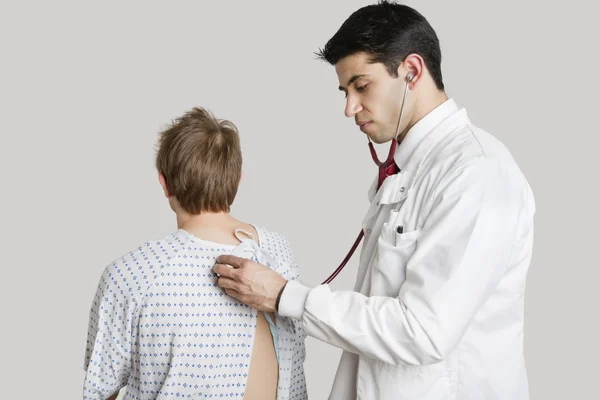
x: 418, y: 132
x: 419, y: 138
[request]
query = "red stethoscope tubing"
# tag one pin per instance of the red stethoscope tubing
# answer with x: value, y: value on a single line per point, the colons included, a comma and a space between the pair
x: 382, y: 169
x: 383, y: 166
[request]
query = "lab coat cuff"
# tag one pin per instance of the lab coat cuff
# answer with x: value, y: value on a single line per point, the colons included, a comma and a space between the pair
x: 293, y: 299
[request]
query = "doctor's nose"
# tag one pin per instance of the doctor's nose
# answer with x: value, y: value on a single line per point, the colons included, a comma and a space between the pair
x: 352, y: 106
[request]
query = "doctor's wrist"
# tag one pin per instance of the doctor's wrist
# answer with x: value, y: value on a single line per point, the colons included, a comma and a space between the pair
x: 293, y: 299
x: 279, y: 297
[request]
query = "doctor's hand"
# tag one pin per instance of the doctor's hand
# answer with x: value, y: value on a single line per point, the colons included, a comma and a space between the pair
x: 249, y: 282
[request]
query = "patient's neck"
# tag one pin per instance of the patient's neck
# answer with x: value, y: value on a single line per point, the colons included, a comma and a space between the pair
x: 205, y: 220
x: 215, y: 227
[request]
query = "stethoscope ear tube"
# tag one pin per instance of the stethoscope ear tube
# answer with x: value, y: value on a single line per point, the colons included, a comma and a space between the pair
x: 345, y: 261
x: 383, y: 167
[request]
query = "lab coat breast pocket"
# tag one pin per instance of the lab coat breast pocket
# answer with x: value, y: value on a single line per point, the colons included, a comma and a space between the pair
x: 393, y: 252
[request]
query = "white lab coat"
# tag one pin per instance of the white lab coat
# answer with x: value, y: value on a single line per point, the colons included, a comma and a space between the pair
x: 437, y: 311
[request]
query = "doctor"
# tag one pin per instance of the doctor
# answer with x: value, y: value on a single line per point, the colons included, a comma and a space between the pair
x: 438, y: 306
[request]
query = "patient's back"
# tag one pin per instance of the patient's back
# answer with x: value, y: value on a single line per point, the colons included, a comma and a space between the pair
x: 160, y: 325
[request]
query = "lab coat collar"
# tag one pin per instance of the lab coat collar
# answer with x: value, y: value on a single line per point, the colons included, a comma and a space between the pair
x: 411, y: 152
x: 420, y: 130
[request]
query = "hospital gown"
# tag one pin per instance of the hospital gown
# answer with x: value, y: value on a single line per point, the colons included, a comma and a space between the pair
x: 161, y: 326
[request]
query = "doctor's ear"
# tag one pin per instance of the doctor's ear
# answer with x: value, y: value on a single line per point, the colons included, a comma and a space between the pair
x: 411, y: 68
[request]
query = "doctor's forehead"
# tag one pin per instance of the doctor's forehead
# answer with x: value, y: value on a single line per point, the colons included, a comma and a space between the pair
x: 350, y: 68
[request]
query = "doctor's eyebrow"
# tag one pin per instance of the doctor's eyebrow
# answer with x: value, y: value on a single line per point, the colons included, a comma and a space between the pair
x: 351, y: 80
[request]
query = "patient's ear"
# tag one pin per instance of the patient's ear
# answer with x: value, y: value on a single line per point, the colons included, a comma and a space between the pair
x: 163, y: 183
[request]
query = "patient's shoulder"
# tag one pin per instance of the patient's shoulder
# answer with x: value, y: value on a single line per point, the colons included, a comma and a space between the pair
x: 277, y: 245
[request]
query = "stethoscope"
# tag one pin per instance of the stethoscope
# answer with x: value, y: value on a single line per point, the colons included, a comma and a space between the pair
x: 384, y: 168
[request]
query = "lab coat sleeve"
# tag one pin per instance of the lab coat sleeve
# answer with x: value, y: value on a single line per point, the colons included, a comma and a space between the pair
x: 462, y: 253
x: 294, y: 279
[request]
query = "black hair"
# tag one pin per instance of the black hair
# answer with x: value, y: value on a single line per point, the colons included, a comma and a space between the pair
x: 388, y: 33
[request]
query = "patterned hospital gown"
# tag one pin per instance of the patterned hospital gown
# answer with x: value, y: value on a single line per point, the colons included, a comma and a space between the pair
x: 161, y: 326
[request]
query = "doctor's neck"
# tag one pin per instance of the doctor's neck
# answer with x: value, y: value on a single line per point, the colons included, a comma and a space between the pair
x: 426, y: 99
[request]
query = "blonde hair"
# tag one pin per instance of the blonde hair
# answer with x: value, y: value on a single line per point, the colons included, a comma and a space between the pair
x: 201, y: 160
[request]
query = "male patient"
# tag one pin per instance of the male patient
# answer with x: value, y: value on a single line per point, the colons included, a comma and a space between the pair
x: 159, y: 324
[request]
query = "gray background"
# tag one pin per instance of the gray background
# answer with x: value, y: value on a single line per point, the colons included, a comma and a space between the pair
x: 84, y: 89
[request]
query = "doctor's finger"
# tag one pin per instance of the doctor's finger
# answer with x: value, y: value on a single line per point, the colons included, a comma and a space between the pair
x: 224, y: 270
x: 233, y: 293
x: 227, y: 283
x: 235, y: 262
